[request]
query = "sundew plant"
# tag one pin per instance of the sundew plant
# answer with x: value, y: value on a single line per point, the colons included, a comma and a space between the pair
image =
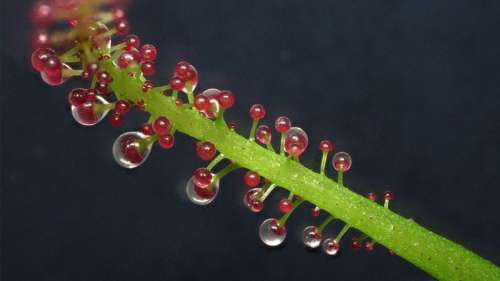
x: 92, y: 41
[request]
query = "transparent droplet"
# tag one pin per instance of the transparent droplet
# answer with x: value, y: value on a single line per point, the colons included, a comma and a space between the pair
x: 90, y: 113
x: 213, y: 110
x: 131, y: 149
x: 296, y: 141
x: 199, y: 195
x: 57, y: 77
x: 330, y: 246
x: 342, y: 160
x: 271, y: 233
x: 250, y: 200
x: 311, y: 237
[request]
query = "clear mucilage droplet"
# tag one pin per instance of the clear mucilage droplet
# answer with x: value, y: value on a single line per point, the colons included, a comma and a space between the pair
x: 330, y: 246
x: 271, y: 233
x: 56, y: 78
x: 251, y: 201
x: 202, y: 195
x: 213, y: 111
x: 90, y: 113
x: 296, y: 141
x: 311, y: 237
x: 342, y: 160
x: 131, y: 149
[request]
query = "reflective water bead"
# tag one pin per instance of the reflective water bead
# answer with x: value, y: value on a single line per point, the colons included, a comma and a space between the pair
x: 251, y: 201
x: 285, y: 205
x: 311, y: 236
x: 296, y: 141
x: 205, y: 150
x: 330, y: 246
x: 147, y: 129
x: 132, y: 41
x: 148, y: 68
x: 263, y: 134
x: 125, y: 59
x: 162, y: 125
x: 271, y: 232
x: 325, y: 146
x: 211, y: 111
x: 282, y: 124
x: 199, y: 195
x: 252, y: 179
x: 315, y: 212
x: 40, y: 56
x: 116, y: 120
x: 166, y: 141
x: 187, y: 72
x: 369, y: 246
x: 131, y: 149
x: 90, y: 113
x: 388, y: 195
x: 226, y: 99
x: 257, y: 111
x: 148, y: 52
x: 342, y: 160
x: 52, y: 72
x: 122, y: 27
x: 77, y: 96
x: 355, y: 244
x: 202, y: 177
x: 122, y: 107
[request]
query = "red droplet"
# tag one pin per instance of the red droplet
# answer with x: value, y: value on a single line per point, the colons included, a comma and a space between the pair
x: 388, y: 195
x: 263, y: 134
x: 205, y: 150
x: 226, y: 99
x: 202, y: 177
x: 148, y: 52
x: 282, y: 124
x: 285, y: 205
x: 116, y: 120
x: 251, y: 179
x: 162, y: 125
x: 147, y: 129
x: 315, y: 212
x: 325, y: 146
x: 257, y: 111
x: 166, y: 141
x: 77, y: 96
x: 122, y: 107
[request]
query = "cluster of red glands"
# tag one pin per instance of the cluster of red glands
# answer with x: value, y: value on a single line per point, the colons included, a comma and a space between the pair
x: 86, y: 41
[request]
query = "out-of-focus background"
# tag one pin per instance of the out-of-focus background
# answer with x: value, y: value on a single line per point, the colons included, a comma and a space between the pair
x: 409, y: 88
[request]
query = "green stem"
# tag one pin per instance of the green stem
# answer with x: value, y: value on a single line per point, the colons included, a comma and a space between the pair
x: 228, y: 169
x: 267, y: 192
x: 340, y: 178
x: 325, y: 223
x: 214, y: 162
x: 282, y: 143
x: 342, y: 232
x: 432, y: 253
x: 323, y: 163
x: 255, y: 122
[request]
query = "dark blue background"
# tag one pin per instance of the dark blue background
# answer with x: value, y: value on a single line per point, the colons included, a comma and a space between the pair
x: 409, y: 88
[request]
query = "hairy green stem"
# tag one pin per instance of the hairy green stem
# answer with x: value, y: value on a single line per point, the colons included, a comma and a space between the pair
x: 432, y: 253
